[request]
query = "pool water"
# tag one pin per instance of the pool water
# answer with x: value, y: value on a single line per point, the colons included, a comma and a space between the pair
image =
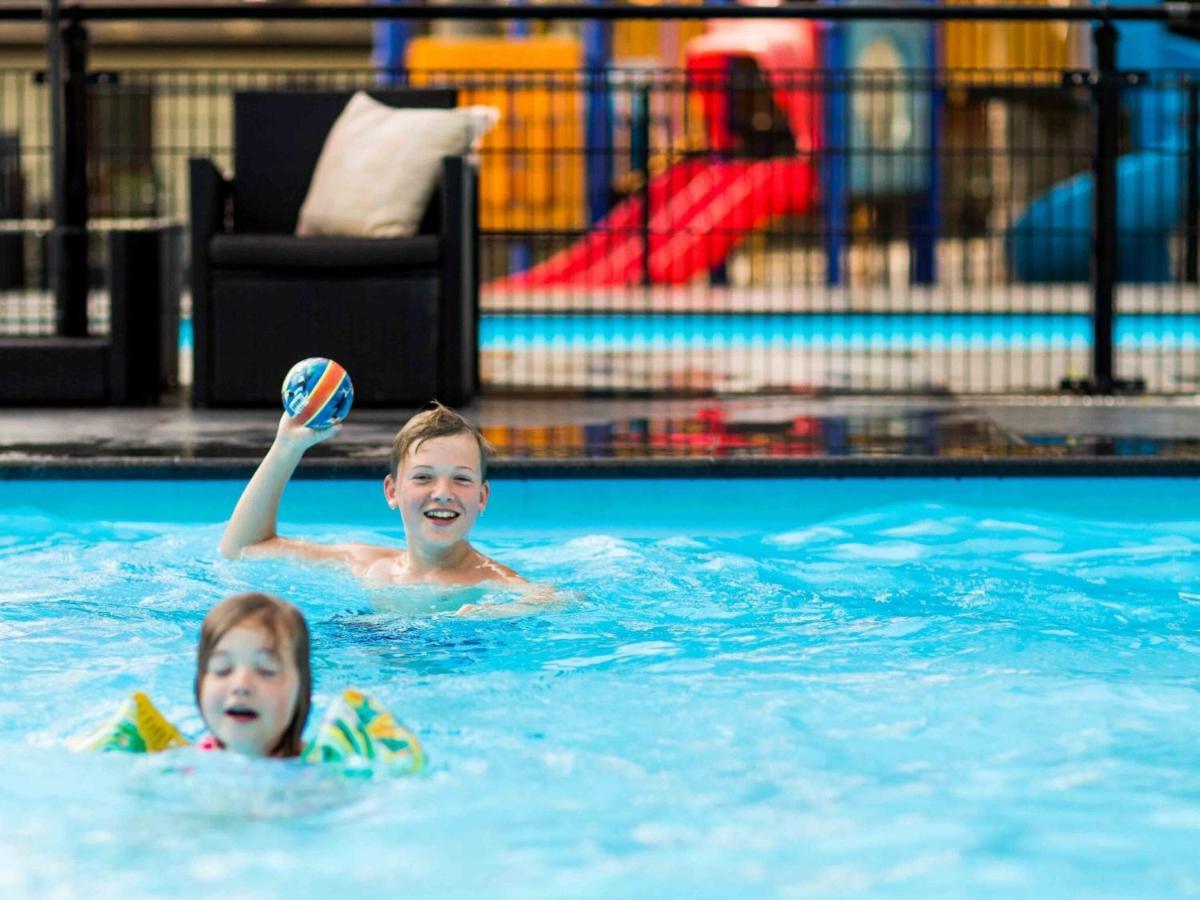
x: 833, y: 330
x: 907, y: 331
x: 914, y: 688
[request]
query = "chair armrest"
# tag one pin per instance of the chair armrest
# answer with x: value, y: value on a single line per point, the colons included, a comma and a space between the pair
x: 208, y: 194
x: 458, y: 314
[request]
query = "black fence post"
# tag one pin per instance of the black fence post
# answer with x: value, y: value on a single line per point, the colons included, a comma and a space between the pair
x: 1104, y: 207
x: 1191, y: 263
x: 1106, y: 82
x: 68, y: 250
x: 640, y: 153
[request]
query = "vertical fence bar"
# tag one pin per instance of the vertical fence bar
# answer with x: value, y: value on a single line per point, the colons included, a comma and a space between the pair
x: 926, y: 218
x: 1191, y: 265
x: 390, y: 38
x: 597, y: 59
x: 1104, y: 209
x: 834, y: 153
x: 66, y: 316
x: 68, y: 240
x: 54, y: 81
x: 640, y: 153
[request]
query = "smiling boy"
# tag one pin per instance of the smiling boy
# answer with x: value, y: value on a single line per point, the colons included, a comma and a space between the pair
x: 437, y: 479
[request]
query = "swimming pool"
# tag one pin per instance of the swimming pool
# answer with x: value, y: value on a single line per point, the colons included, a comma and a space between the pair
x: 901, y: 331
x: 817, y: 331
x: 910, y: 688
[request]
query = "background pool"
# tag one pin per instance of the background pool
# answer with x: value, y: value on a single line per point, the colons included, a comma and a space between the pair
x: 833, y: 330
x: 909, y: 331
x: 766, y: 688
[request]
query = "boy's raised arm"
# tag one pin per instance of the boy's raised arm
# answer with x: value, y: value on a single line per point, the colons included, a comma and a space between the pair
x: 254, y: 519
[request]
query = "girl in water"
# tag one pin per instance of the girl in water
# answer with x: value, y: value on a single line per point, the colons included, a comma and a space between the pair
x: 254, y: 689
x: 253, y: 676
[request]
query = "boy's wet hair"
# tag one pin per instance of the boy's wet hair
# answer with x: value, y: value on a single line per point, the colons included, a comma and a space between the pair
x: 286, y: 624
x: 436, y: 421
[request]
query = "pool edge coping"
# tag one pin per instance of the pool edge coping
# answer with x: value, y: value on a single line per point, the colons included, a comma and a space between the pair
x: 190, y: 468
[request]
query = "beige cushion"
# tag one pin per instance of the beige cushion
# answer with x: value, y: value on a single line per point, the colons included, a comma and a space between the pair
x: 380, y: 165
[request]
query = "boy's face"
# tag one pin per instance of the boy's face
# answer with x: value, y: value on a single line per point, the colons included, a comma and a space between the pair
x: 439, y: 489
x: 249, y: 690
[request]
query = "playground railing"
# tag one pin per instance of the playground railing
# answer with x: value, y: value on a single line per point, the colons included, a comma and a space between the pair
x: 738, y: 226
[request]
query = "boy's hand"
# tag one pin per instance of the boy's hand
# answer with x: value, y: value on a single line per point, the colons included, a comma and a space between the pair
x: 300, y: 437
x: 493, y: 611
x: 534, y: 597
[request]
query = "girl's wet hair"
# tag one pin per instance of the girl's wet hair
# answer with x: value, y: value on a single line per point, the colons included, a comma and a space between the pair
x: 286, y: 624
x: 436, y: 421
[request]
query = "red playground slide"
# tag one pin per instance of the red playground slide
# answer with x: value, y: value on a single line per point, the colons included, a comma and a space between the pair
x: 698, y: 211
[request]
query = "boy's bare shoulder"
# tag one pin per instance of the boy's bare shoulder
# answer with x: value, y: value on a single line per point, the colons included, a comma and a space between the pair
x: 374, y: 563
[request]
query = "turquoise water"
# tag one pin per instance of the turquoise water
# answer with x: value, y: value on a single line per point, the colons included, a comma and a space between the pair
x: 919, y: 688
x: 832, y: 331
x: 915, y: 331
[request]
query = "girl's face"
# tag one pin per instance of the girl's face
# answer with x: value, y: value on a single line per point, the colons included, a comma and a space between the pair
x: 439, y: 490
x: 249, y: 690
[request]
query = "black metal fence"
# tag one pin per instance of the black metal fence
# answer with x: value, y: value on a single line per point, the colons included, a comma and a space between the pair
x: 751, y: 229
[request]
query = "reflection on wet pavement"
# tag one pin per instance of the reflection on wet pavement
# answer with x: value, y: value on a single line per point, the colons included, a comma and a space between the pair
x: 764, y: 428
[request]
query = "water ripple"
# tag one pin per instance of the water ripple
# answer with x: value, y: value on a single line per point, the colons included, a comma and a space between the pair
x: 909, y: 699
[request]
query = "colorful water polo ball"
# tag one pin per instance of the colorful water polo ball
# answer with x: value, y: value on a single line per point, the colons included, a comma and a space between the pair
x: 317, y: 392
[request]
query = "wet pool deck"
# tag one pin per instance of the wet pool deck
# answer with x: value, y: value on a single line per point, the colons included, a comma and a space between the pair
x: 734, y: 437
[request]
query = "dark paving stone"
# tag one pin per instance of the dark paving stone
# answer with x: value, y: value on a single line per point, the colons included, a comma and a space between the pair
x: 547, y: 438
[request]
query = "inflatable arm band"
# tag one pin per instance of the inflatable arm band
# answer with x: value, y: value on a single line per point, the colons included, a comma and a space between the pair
x: 355, y: 729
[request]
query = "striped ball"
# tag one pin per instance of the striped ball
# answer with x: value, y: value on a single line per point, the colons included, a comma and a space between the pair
x: 317, y: 392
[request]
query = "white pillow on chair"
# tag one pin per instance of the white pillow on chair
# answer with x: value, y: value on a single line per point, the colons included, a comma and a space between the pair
x: 380, y: 165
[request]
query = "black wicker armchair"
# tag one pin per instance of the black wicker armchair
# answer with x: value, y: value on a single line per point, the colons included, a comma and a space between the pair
x: 401, y: 314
